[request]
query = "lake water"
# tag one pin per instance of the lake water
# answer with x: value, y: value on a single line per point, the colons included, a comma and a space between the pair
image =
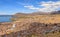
x: 5, y: 18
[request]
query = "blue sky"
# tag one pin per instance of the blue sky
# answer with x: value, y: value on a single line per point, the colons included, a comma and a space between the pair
x: 27, y: 6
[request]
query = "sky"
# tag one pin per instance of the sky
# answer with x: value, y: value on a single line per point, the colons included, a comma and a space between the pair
x: 8, y: 7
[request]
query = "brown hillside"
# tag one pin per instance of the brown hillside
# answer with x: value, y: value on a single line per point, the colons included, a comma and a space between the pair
x: 32, y: 26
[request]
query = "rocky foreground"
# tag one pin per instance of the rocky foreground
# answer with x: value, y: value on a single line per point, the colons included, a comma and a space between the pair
x: 36, y: 26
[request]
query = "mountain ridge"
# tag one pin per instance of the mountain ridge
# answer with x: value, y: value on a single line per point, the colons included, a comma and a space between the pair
x: 39, y: 13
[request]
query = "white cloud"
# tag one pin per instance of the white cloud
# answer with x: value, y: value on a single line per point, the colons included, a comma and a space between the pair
x: 46, y: 6
x: 31, y: 7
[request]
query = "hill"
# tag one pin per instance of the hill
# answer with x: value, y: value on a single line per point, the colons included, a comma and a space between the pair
x: 56, y: 12
x: 27, y: 25
x: 38, y: 13
x: 32, y: 26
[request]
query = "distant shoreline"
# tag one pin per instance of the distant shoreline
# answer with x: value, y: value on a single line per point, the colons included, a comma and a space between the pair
x: 5, y: 18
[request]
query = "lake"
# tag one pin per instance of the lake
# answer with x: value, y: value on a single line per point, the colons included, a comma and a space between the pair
x: 5, y: 18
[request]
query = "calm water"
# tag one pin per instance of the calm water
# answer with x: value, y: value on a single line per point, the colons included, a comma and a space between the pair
x: 5, y: 18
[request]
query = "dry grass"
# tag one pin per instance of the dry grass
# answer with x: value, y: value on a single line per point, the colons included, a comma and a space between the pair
x: 47, y: 19
x: 23, y: 22
x: 42, y: 18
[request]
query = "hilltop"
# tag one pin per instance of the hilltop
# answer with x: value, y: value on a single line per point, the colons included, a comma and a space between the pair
x: 38, y: 13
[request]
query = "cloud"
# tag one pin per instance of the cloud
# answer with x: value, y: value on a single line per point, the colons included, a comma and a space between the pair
x: 46, y: 6
x: 31, y: 7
